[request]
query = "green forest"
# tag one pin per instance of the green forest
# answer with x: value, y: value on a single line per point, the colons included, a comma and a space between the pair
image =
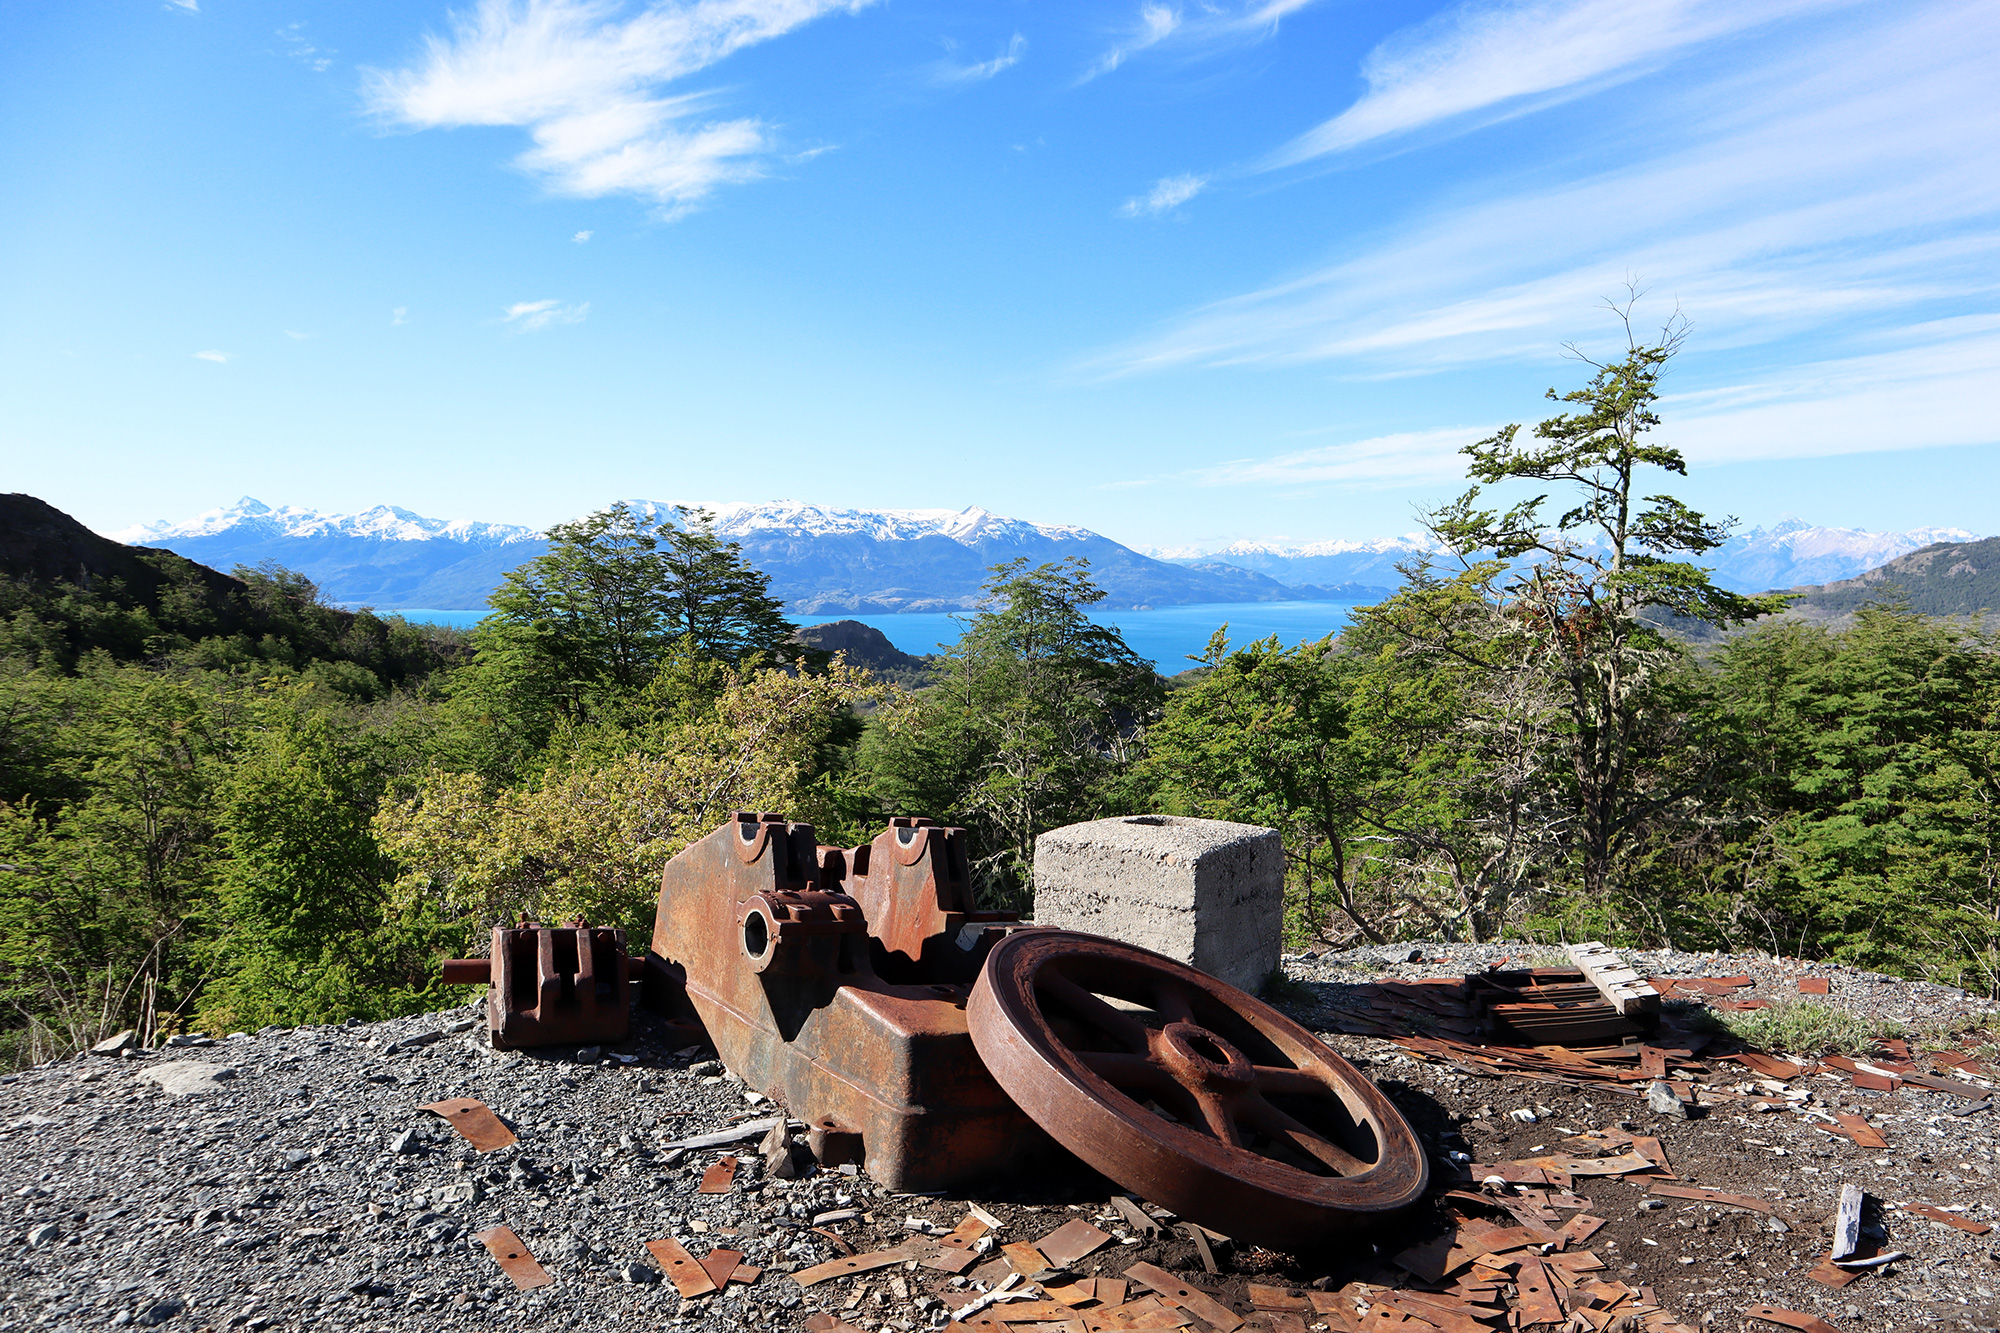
x: 228, y: 805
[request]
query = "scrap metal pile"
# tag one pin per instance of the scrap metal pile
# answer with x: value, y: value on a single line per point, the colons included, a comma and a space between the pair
x: 941, y: 1045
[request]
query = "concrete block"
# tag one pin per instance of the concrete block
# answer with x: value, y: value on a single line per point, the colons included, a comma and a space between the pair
x: 1203, y: 891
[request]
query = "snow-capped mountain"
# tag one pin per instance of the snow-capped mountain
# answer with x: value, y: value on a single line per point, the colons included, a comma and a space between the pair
x: 385, y: 522
x: 1788, y: 554
x: 820, y: 559
x: 1793, y: 553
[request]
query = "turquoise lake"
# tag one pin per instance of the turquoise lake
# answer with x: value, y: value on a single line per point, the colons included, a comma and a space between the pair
x: 1168, y: 635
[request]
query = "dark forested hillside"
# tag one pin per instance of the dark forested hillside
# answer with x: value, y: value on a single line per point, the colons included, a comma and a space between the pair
x: 66, y: 592
x: 1949, y: 579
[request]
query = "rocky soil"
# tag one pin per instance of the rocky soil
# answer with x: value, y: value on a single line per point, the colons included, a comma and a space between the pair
x: 293, y: 1182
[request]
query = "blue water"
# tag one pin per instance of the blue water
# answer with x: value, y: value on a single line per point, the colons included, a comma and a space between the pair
x: 1167, y: 635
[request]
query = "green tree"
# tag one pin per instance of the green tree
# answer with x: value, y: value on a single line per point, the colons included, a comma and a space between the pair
x: 1037, y: 714
x: 1590, y: 590
x: 299, y: 929
x: 577, y: 634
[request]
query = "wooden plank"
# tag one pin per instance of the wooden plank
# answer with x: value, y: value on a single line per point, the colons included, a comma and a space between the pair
x: 1627, y: 991
x: 1847, y: 1223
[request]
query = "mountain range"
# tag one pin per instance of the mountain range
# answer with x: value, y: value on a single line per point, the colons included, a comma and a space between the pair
x: 1789, y: 554
x: 825, y: 560
x: 821, y: 560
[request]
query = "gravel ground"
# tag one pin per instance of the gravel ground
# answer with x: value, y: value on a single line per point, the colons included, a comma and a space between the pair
x: 304, y: 1189
x: 1708, y: 1263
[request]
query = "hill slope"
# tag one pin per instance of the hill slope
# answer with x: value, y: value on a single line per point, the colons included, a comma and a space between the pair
x: 1948, y: 579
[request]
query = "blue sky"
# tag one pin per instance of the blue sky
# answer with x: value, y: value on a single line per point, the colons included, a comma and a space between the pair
x: 1182, y: 273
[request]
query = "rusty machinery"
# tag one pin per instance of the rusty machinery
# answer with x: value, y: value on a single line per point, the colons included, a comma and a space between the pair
x: 861, y: 989
x: 552, y: 984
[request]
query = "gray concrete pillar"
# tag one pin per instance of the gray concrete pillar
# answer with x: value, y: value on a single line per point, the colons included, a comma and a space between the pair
x: 1204, y: 891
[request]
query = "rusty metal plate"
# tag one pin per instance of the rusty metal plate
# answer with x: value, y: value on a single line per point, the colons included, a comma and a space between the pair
x: 1197, y: 1303
x: 1806, y: 1323
x: 689, y: 1278
x: 848, y: 1265
x: 513, y: 1258
x: 720, y: 1264
x: 718, y: 1178
x: 1190, y: 1092
x: 474, y: 1121
x: 1071, y: 1241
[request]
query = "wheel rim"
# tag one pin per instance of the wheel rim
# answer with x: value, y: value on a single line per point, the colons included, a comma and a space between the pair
x: 1194, y: 1094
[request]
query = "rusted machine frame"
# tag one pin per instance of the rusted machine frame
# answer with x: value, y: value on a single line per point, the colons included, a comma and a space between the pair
x: 552, y: 985
x: 834, y: 980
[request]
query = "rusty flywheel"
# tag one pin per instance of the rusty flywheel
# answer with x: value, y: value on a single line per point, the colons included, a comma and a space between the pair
x: 1190, y: 1092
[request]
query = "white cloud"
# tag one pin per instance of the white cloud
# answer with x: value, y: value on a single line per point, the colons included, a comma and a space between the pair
x: 1858, y: 176
x: 1512, y: 57
x: 1166, y: 196
x: 1404, y: 458
x: 947, y: 73
x: 212, y: 355
x: 296, y: 336
x: 185, y: 6
x: 400, y: 315
x: 586, y: 84
x: 1198, y: 29
x: 527, y: 316
x: 296, y: 46
x: 582, y: 236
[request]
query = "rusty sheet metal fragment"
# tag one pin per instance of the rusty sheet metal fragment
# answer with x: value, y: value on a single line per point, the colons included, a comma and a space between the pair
x: 1770, y: 1066
x: 819, y: 1321
x: 1265, y: 1297
x: 1537, y: 1300
x: 689, y: 1277
x: 1141, y: 1221
x: 718, y: 1178
x: 848, y: 1265
x: 1024, y: 1258
x: 1071, y: 1241
x: 746, y: 1274
x: 474, y: 1121
x: 1148, y: 1312
x: 1858, y: 1129
x: 513, y: 1258
x: 1812, y: 986
x: 1745, y: 1201
x: 719, y: 1264
x: 1197, y: 1303
x: 1805, y: 1323
x: 1936, y: 1214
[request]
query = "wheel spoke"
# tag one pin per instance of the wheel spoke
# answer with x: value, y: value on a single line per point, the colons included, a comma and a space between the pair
x: 1220, y: 1122
x: 1170, y: 998
x: 1123, y: 1070
x: 1094, y: 1011
x: 1294, y: 1082
x: 1262, y: 1115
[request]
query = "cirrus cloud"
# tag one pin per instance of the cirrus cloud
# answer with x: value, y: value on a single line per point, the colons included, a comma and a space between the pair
x: 587, y: 83
x: 529, y: 316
